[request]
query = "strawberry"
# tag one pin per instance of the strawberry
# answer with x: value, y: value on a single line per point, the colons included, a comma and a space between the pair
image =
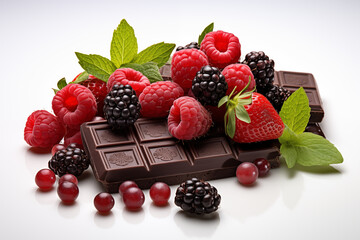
x: 96, y: 86
x: 250, y: 117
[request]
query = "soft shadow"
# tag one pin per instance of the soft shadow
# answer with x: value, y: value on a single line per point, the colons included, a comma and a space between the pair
x: 36, y: 150
x: 160, y: 211
x: 197, y: 225
x: 44, y: 197
x: 133, y: 217
x: 104, y: 220
x: 68, y: 210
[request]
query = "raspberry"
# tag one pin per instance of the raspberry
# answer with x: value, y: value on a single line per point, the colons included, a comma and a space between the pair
x: 128, y: 76
x: 185, y: 64
x: 73, y: 136
x: 188, y: 119
x: 98, y: 89
x: 221, y: 48
x: 238, y: 75
x: 74, y: 105
x: 157, y: 99
x: 43, y: 129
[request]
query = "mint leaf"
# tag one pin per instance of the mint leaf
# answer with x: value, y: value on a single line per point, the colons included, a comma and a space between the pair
x: 307, y: 149
x: 61, y: 83
x: 96, y: 65
x: 158, y: 53
x: 82, y: 77
x: 149, y: 70
x: 208, y: 29
x: 295, y: 112
x: 313, y: 150
x: 288, y: 140
x: 123, y: 44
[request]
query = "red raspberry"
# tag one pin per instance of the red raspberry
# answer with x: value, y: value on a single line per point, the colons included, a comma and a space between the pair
x: 43, y: 129
x: 74, y: 105
x: 98, y: 88
x: 188, y: 119
x: 128, y: 76
x: 221, y: 48
x: 73, y: 136
x: 157, y: 99
x: 238, y: 75
x: 184, y: 66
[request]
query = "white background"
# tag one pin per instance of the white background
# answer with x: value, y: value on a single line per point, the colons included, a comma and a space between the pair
x: 37, y: 44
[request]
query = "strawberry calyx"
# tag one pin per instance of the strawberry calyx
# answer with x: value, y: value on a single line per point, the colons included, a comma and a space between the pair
x: 235, y: 108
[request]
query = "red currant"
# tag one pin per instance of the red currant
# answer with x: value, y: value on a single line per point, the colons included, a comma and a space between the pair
x: 45, y: 179
x: 160, y: 193
x: 263, y: 166
x: 68, y: 192
x: 57, y: 147
x: 68, y: 177
x: 125, y: 185
x: 247, y: 173
x: 133, y: 198
x: 104, y: 202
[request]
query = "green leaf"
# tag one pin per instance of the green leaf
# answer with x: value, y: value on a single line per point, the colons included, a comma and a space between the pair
x: 288, y: 140
x: 307, y: 149
x: 123, y: 44
x: 149, y: 70
x: 314, y: 150
x: 208, y: 29
x: 61, y: 83
x: 55, y: 90
x: 295, y: 111
x: 158, y: 53
x: 231, y: 124
x: 82, y: 77
x: 242, y: 114
x: 223, y: 100
x: 96, y: 65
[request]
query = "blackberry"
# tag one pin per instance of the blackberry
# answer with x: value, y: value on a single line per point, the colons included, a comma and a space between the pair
x: 197, y: 196
x: 188, y: 46
x: 277, y: 96
x: 209, y: 86
x: 262, y: 68
x: 121, y: 106
x: 71, y: 160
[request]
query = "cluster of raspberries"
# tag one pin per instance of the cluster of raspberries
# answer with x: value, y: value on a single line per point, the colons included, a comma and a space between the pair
x: 207, y: 74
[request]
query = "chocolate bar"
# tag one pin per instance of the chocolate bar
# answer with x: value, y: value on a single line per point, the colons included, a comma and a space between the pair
x: 147, y: 153
x: 293, y: 80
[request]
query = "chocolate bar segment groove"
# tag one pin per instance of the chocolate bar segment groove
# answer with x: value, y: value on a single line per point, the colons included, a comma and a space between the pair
x: 146, y: 153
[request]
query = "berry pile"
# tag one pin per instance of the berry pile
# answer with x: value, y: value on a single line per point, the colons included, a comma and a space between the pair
x: 189, y: 46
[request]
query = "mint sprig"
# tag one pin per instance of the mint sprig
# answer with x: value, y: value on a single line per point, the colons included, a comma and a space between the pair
x: 60, y: 84
x: 124, y: 45
x: 123, y: 53
x: 208, y: 29
x: 301, y: 147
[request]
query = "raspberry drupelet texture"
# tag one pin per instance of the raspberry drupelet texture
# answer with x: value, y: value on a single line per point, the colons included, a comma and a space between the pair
x: 157, y: 99
x: 43, y: 129
x: 221, y: 48
x: 188, y: 119
x: 128, y: 76
x: 237, y: 75
x: 99, y: 89
x: 185, y: 64
x: 74, y: 105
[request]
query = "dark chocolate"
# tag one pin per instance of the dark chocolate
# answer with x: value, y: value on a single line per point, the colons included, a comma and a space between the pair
x: 147, y: 153
x: 294, y: 80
